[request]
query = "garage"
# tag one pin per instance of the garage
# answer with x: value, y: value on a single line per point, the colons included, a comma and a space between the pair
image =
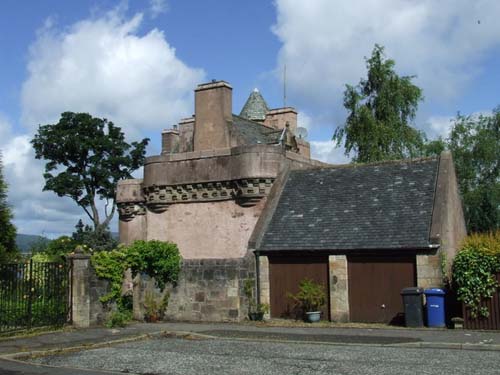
x: 285, y: 275
x: 375, y: 284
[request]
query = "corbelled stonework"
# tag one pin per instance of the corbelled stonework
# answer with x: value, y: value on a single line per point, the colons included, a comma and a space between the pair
x: 128, y: 210
x: 247, y: 192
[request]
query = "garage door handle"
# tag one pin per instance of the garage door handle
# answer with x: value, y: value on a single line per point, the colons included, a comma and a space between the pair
x: 382, y: 306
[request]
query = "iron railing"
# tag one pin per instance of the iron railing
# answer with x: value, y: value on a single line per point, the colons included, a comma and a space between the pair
x: 34, y: 294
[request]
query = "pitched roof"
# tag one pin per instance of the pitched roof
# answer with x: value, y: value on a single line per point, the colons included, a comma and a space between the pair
x: 384, y: 206
x: 255, y: 133
x: 255, y: 107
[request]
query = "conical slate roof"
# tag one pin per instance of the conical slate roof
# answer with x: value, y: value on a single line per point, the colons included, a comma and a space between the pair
x: 255, y: 108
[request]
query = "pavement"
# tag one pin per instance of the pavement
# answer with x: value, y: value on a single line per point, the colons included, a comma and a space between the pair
x: 14, y: 351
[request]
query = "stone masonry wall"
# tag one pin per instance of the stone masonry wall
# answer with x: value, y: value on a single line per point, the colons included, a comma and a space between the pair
x: 86, y: 290
x: 211, y: 290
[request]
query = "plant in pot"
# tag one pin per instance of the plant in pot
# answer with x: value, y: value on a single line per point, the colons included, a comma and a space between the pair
x: 310, y: 298
x: 256, y: 311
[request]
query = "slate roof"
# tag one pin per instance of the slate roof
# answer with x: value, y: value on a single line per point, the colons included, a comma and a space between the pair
x: 255, y: 133
x: 255, y: 107
x: 384, y: 206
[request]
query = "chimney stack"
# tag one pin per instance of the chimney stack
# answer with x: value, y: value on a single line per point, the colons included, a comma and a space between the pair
x: 213, y: 116
x: 170, y: 141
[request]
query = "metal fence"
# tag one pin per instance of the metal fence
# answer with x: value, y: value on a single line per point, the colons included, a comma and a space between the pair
x: 34, y: 295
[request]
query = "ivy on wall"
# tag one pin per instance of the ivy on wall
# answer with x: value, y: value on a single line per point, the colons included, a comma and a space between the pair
x: 158, y: 259
x: 474, y: 270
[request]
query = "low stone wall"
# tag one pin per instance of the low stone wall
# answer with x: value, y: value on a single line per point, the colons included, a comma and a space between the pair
x: 211, y: 290
x: 207, y: 290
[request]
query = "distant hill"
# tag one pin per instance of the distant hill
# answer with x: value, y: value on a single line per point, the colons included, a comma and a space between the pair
x: 27, y: 241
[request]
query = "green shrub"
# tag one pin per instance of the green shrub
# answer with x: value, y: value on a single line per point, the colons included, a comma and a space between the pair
x: 311, y: 296
x: 474, y: 270
x: 119, y: 319
x: 158, y: 259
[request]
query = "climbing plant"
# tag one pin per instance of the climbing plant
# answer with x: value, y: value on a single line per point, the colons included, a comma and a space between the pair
x: 156, y: 258
x: 474, y: 270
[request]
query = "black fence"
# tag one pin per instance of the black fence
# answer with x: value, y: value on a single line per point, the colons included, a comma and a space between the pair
x: 34, y: 295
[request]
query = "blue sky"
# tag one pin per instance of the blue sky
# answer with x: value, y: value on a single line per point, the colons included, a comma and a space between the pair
x: 137, y: 63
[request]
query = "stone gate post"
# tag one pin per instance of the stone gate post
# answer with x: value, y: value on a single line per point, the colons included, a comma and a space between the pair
x: 80, y: 288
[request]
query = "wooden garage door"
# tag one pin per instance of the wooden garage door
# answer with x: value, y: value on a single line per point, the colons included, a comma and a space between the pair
x: 285, y: 274
x: 375, y: 286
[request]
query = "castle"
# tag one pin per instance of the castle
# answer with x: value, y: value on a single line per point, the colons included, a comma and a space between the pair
x: 243, y: 200
x: 208, y: 187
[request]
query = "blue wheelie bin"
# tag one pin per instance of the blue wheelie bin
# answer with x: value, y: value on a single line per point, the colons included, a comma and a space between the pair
x: 435, y: 307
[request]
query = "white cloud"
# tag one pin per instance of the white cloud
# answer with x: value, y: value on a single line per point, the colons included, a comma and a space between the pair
x: 439, y: 126
x: 5, y: 129
x: 157, y: 7
x: 327, y: 152
x: 104, y: 67
x: 324, y: 43
x: 101, y: 66
x: 304, y: 120
x: 34, y: 211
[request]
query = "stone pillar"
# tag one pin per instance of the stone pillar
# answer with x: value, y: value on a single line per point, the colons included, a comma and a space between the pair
x: 265, y: 295
x: 80, y: 288
x: 429, y: 271
x: 339, y: 288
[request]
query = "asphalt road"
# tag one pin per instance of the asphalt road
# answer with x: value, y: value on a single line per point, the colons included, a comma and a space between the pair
x: 229, y: 356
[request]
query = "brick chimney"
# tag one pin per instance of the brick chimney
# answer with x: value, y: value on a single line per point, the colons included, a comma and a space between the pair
x: 213, y: 115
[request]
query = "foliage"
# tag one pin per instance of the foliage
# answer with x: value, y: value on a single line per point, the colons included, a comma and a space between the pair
x: 475, y: 145
x: 380, y: 109
x: 90, y: 158
x: 159, y: 259
x: 118, y: 319
x: 58, y: 249
x: 311, y: 296
x: 434, y: 147
x: 474, y: 268
x: 110, y: 265
x: 8, y: 249
x: 152, y: 308
x: 96, y: 239
x: 253, y: 306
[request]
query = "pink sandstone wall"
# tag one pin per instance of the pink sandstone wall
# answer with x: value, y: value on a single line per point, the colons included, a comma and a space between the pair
x: 204, y: 230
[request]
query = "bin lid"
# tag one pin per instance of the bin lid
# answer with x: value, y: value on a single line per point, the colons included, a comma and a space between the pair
x: 434, y: 292
x: 412, y: 290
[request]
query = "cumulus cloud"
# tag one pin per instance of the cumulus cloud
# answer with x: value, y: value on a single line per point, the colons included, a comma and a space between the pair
x: 324, y: 43
x: 327, y: 152
x: 98, y: 65
x: 439, y: 126
x: 105, y: 67
x: 157, y: 7
x: 34, y: 211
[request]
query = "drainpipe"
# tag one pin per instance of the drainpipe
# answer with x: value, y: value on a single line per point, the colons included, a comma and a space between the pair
x: 257, y: 275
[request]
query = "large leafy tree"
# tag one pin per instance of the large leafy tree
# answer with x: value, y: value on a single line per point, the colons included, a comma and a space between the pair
x: 8, y: 249
x: 475, y: 144
x: 380, y: 111
x: 86, y: 157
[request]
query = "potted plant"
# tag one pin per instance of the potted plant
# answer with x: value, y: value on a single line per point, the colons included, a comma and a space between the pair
x: 256, y: 311
x: 310, y: 298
